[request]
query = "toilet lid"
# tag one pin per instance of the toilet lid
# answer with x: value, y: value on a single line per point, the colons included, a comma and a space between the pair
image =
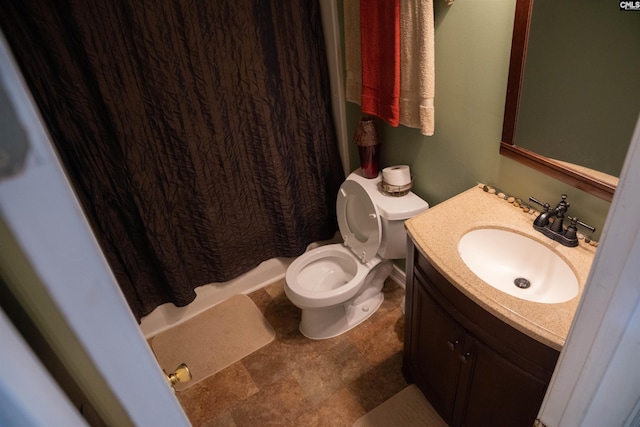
x: 359, y: 220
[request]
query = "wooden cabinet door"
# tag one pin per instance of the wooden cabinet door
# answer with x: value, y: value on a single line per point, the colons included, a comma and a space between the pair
x: 473, y: 369
x: 497, y: 392
x: 435, y: 342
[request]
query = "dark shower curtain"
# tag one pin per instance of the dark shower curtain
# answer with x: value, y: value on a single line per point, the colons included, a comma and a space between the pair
x: 197, y: 134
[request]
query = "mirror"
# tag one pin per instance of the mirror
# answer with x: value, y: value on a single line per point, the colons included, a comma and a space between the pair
x: 569, y: 103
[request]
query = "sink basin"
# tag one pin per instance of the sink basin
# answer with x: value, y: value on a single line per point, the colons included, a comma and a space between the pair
x: 518, y: 265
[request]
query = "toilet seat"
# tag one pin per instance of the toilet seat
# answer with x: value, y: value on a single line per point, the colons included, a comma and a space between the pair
x: 326, y: 276
x: 333, y: 274
x: 359, y: 220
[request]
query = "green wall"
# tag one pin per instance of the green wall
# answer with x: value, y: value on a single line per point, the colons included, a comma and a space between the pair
x: 473, y: 42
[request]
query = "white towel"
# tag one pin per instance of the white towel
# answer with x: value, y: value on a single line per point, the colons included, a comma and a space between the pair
x: 417, y: 61
x: 352, y: 50
x: 417, y: 65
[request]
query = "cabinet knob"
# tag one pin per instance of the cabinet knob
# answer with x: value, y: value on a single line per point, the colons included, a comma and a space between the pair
x: 464, y: 358
x: 452, y: 344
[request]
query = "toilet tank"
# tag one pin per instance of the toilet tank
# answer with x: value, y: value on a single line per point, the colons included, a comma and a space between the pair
x: 394, y: 211
x: 394, y: 239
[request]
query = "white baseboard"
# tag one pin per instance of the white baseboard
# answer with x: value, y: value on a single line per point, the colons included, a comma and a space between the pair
x: 398, y: 276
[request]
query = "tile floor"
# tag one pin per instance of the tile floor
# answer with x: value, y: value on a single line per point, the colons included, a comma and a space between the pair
x: 295, y: 381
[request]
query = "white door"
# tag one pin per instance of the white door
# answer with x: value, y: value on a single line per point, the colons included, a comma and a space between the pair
x: 55, y: 268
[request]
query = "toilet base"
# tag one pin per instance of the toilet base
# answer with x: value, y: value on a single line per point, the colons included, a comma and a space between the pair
x: 329, y: 322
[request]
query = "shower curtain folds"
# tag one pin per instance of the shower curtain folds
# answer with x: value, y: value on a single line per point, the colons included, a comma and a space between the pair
x: 198, y: 135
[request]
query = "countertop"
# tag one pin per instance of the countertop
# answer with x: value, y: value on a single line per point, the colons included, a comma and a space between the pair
x: 437, y: 231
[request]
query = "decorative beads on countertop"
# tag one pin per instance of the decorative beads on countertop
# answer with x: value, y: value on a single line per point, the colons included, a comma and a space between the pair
x: 518, y: 203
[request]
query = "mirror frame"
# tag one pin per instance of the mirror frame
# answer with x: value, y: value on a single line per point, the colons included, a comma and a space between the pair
x: 508, y: 148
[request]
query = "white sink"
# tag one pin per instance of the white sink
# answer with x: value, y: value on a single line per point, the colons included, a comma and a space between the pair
x: 507, y: 260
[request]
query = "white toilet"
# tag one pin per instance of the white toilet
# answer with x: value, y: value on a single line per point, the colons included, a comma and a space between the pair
x: 339, y: 286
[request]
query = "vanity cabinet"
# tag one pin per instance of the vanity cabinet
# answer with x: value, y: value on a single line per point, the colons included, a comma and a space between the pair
x: 474, y: 369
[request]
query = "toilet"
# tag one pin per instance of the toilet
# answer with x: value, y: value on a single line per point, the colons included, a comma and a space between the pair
x: 339, y: 286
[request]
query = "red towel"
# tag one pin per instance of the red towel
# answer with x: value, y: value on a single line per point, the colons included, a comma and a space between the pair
x: 380, y: 40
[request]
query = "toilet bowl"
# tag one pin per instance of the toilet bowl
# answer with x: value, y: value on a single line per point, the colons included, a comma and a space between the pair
x: 328, y: 275
x: 339, y: 286
x: 335, y: 291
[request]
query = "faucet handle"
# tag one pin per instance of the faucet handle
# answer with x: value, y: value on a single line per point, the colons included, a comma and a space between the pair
x: 575, y: 220
x: 563, y: 205
x: 546, y: 206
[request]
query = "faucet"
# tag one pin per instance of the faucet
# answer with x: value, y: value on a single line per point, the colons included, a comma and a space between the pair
x: 544, y: 219
x: 555, y: 229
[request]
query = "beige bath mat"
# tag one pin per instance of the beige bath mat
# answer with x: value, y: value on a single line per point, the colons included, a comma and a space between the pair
x: 408, y: 408
x: 214, y: 339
